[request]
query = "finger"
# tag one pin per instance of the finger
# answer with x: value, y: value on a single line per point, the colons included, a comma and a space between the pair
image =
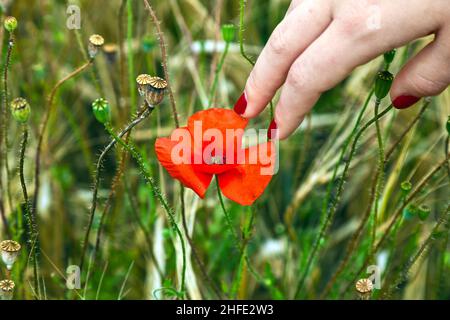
x: 294, y: 4
x: 347, y: 43
x: 291, y: 37
x: 427, y: 74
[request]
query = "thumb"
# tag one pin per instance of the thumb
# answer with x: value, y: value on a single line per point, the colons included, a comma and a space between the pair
x: 427, y: 74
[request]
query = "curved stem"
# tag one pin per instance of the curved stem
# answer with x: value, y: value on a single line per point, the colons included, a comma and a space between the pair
x: 212, y: 93
x: 327, y: 215
x: 162, y: 47
x: 395, y: 217
x: 43, y: 129
x: 242, y: 4
x: 157, y: 193
x: 5, y: 123
x: 31, y: 225
x: 128, y: 128
x: 380, y: 170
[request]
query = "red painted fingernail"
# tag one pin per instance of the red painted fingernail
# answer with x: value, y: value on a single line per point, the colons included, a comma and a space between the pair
x: 404, y: 102
x: 272, y: 133
x: 241, y: 105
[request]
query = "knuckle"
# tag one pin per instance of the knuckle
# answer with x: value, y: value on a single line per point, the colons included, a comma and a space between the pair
x: 360, y: 21
x: 278, y: 44
x: 427, y: 86
x: 296, y: 77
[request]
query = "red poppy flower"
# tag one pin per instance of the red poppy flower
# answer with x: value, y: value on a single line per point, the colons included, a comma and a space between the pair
x: 211, y: 144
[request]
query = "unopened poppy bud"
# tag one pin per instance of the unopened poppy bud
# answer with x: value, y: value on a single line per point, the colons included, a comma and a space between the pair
x: 383, y: 84
x: 406, y: 187
x: 143, y: 82
x: 95, y: 43
x: 6, y: 289
x: 228, y: 32
x: 389, y: 56
x: 448, y: 125
x: 10, y: 251
x: 20, y: 109
x: 156, y: 91
x: 10, y: 24
x: 424, y: 212
x: 102, y: 110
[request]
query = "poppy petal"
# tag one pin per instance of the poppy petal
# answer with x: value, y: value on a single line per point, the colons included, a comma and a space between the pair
x: 217, y: 121
x: 183, y: 172
x: 247, y: 182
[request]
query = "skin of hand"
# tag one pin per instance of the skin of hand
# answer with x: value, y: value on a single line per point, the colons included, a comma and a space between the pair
x: 320, y: 42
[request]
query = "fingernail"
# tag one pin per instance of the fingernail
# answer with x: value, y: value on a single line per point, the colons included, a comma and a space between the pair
x: 241, y: 105
x: 404, y: 102
x: 272, y: 133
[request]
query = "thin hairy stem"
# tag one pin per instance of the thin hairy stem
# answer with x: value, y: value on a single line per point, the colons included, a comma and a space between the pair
x: 27, y: 208
x: 162, y: 47
x: 130, y: 62
x: 408, y: 129
x: 380, y: 175
x: 242, y: 4
x: 128, y: 128
x: 212, y: 93
x: 157, y: 193
x: 49, y: 111
x: 147, y: 237
x: 327, y: 214
x: 5, y: 122
x: 397, y: 215
x: 199, y: 262
x: 387, y: 291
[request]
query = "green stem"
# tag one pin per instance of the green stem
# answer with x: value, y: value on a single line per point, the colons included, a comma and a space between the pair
x: 242, y: 4
x: 6, y: 122
x: 380, y: 178
x: 131, y: 74
x: 157, y: 193
x: 327, y: 215
x: 212, y: 93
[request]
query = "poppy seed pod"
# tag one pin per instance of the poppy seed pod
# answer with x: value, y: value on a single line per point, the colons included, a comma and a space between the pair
x: 20, y: 109
x: 406, y: 187
x: 10, y: 24
x: 110, y: 51
x: 383, y: 84
x: 6, y: 289
x: 424, y: 212
x: 95, y: 43
x: 228, y: 32
x: 364, y: 288
x: 102, y: 110
x: 389, y: 56
x: 143, y: 81
x: 156, y: 90
x: 10, y: 250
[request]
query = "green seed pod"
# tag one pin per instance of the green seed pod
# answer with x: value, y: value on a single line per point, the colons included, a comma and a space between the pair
x: 424, y: 212
x: 389, y: 56
x: 10, y: 24
x: 228, y: 32
x: 383, y: 84
x: 406, y: 187
x: 102, y: 110
x: 410, y: 211
x: 448, y: 125
x: 20, y: 109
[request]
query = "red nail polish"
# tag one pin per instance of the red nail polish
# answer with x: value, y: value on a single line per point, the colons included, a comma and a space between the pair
x: 241, y: 105
x: 272, y: 132
x: 404, y: 102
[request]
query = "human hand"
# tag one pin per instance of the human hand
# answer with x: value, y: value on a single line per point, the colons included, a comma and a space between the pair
x: 320, y: 42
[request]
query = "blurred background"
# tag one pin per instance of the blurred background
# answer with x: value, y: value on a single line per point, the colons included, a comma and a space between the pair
x: 279, y: 253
